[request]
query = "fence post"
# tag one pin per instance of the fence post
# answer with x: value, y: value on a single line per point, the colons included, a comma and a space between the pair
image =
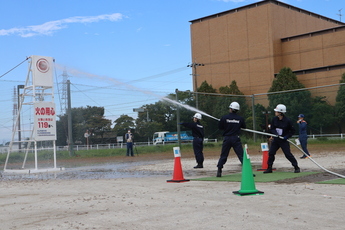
x: 253, y: 114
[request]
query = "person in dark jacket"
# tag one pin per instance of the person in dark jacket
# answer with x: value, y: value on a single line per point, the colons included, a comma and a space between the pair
x: 282, y: 127
x: 129, y: 139
x: 198, y: 139
x: 231, y: 125
x: 302, y: 135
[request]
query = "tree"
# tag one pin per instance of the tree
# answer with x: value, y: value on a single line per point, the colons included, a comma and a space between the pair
x: 297, y: 101
x: 260, y: 117
x: 122, y: 124
x: 161, y: 118
x: 224, y: 102
x: 153, y: 119
x: 322, y: 114
x: 61, y: 130
x: 340, y: 104
x: 207, y: 104
x: 90, y: 118
x: 145, y: 130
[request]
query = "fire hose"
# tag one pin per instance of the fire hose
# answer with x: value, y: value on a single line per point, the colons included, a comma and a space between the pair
x: 309, y: 157
x: 273, y: 135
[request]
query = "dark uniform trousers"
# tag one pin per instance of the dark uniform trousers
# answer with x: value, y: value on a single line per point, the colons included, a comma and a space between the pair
x: 228, y: 142
x: 285, y: 146
x: 303, y: 139
x: 198, y: 147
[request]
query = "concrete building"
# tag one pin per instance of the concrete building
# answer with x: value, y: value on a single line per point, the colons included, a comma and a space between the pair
x: 250, y: 45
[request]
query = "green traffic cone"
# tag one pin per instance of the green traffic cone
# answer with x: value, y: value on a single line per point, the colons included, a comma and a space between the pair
x: 247, y: 182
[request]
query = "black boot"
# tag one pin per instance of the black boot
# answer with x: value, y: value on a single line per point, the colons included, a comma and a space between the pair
x: 268, y: 170
x: 219, y: 172
x: 199, y: 166
x: 297, y: 169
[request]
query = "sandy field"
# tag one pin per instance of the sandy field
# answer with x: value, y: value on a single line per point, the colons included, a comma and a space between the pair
x: 133, y: 194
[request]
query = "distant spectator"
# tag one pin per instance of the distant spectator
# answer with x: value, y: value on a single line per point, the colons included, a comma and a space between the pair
x: 303, y: 136
x: 129, y: 139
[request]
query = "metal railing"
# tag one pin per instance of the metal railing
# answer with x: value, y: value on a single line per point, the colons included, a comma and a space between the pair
x: 122, y: 145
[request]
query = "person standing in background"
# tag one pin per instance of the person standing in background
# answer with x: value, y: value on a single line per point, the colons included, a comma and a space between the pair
x: 303, y: 136
x: 129, y: 140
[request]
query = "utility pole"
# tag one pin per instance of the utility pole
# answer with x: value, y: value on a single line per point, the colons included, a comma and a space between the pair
x: 178, y: 121
x: 195, y: 85
x: 69, y: 119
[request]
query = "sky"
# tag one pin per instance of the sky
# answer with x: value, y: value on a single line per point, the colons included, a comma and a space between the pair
x: 118, y: 54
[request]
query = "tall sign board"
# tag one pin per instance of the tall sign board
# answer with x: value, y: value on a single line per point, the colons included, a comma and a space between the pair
x: 42, y: 71
x: 45, y: 121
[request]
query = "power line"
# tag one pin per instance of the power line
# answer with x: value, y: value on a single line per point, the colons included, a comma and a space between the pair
x: 14, y: 67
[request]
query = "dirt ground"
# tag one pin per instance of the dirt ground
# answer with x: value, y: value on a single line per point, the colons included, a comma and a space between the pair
x: 132, y: 193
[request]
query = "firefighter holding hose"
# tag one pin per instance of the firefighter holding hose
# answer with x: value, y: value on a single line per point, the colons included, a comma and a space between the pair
x: 198, y: 138
x: 231, y: 125
x: 283, y: 129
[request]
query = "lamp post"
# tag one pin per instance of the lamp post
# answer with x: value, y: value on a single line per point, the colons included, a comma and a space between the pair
x: 18, y: 107
x: 195, y: 85
x: 147, y: 113
x: 147, y: 120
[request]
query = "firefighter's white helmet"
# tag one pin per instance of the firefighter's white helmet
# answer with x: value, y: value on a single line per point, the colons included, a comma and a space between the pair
x: 280, y: 108
x: 197, y: 116
x: 234, y: 105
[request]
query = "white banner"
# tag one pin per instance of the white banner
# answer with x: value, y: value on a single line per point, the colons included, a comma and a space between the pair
x: 45, y: 121
x: 42, y: 71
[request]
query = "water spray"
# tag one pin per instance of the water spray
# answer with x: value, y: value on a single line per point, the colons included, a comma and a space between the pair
x: 77, y: 73
x: 188, y: 107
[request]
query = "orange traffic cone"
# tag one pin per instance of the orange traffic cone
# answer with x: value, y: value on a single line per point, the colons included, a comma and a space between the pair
x: 247, y: 183
x: 178, y: 174
x: 264, y: 149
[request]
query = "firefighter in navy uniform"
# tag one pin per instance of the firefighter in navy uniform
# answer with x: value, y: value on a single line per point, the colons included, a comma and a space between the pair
x: 283, y: 128
x: 198, y: 140
x: 231, y: 124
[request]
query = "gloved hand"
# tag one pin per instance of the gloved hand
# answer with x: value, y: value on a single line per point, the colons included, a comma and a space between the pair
x: 285, y: 137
